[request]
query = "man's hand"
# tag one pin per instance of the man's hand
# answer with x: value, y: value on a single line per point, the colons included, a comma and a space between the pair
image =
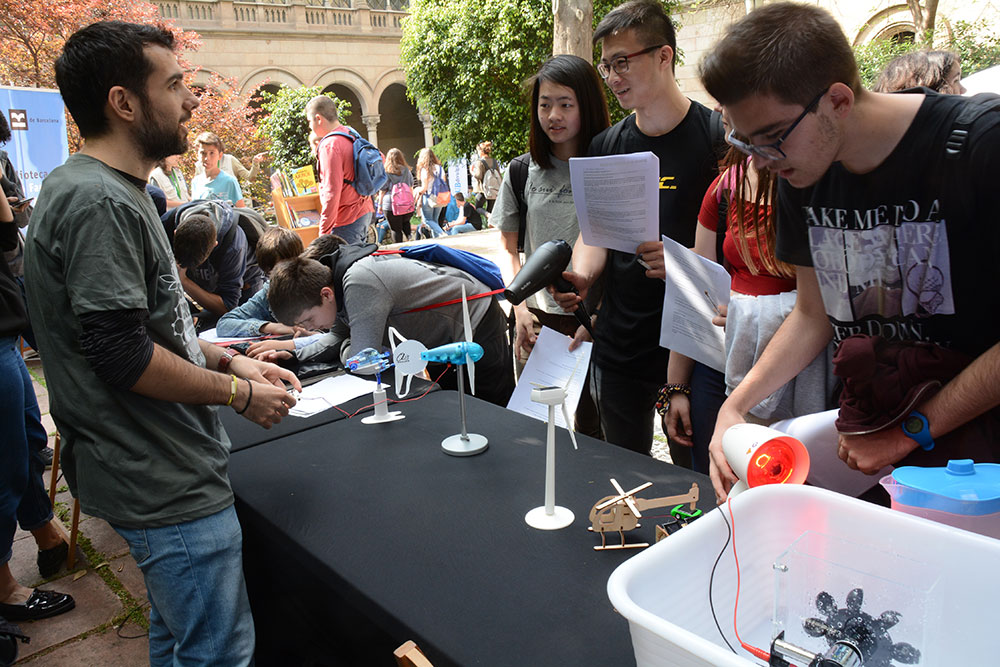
x: 276, y: 329
x: 720, y: 319
x: 870, y: 453
x: 19, y: 209
x: 651, y: 253
x: 267, y: 406
x: 569, y: 301
x: 525, y: 329
x: 722, y: 475
x: 677, y: 421
x: 256, y: 350
x: 260, y: 157
x: 274, y: 355
x: 581, y: 336
x: 301, y: 331
x: 260, y: 371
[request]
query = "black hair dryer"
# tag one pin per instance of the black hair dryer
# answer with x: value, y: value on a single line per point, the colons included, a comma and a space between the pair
x: 544, y: 268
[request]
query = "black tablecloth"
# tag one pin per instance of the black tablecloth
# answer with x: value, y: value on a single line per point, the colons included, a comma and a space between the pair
x: 434, y: 548
x: 244, y: 433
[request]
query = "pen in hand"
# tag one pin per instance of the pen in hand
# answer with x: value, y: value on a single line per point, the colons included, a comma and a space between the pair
x: 711, y: 302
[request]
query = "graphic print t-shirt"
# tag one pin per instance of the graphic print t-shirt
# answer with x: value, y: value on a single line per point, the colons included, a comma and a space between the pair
x: 909, y: 250
x: 628, y: 328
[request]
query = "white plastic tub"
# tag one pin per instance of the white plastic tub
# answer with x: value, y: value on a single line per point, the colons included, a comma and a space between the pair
x: 663, y: 591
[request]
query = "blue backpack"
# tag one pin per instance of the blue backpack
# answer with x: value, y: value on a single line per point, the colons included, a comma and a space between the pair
x: 369, y: 168
x: 476, y: 266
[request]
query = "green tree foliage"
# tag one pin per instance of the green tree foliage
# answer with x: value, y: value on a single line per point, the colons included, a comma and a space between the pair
x: 466, y: 61
x: 287, y: 127
x: 975, y: 43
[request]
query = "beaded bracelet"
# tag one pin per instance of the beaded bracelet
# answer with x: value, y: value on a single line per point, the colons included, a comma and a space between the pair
x: 232, y: 392
x: 663, y: 396
x: 249, y: 396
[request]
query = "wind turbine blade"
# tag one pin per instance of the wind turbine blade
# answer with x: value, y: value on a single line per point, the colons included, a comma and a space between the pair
x: 468, y: 339
x: 465, y: 317
x: 569, y: 425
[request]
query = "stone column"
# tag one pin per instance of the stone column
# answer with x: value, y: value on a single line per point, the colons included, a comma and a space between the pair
x: 427, y: 119
x: 371, y: 122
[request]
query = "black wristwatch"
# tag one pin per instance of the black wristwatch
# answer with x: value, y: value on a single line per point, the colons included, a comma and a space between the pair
x: 917, y: 428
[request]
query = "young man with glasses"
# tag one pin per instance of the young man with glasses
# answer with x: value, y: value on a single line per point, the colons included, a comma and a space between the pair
x: 885, y: 207
x: 638, y: 48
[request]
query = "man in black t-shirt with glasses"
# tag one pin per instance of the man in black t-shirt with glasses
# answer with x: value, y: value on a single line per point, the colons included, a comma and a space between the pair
x: 638, y: 46
x: 888, y: 217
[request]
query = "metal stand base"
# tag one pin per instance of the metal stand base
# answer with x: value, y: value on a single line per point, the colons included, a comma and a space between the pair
x: 472, y: 444
x: 560, y: 518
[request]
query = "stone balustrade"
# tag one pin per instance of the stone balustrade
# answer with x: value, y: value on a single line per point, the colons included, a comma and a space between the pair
x: 382, y: 17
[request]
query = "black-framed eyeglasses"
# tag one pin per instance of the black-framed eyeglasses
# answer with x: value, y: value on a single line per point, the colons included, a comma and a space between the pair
x: 773, y: 151
x: 620, y: 64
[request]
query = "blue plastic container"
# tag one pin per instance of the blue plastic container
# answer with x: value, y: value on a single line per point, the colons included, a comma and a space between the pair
x: 963, y: 494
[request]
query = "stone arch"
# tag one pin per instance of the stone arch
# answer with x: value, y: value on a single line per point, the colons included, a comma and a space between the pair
x: 351, y: 80
x: 277, y: 75
x: 884, y: 24
x: 393, y: 76
x: 399, y: 121
x: 203, y: 77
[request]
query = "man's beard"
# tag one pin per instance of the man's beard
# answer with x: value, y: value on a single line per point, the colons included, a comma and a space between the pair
x: 156, y: 141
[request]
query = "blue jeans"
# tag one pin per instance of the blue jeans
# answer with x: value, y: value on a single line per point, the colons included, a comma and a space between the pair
x: 381, y: 229
x: 356, y: 231
x: 199, y: 612
x: 15, y: 388
x: 429, y: 215
x: 461, y: 229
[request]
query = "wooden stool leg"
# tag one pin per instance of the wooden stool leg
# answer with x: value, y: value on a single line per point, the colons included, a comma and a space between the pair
x: 74, y: 532
x: 55, y: 470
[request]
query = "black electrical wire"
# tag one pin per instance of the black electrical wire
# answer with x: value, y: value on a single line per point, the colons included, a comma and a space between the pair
x: 711, y: 579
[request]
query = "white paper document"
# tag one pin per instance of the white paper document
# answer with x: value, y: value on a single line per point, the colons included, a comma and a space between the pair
x: 330, y: 392
x: 210, y: 336
x: 819, y: 434
x: 617, y: 199
x: 694, y: 286
x: 551, y: 364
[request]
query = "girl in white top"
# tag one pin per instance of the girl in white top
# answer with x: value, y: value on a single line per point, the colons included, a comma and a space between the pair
x: 169, y: 178
x: 428, y: 166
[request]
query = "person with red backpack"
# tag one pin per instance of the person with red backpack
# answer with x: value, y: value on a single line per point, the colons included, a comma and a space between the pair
x: 397, y: 199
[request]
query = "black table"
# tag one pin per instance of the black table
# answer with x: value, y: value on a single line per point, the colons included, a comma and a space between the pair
x: 244, y: 433
x: 391, y: 540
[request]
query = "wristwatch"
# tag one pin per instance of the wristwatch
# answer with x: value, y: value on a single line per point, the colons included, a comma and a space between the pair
x: 917, y: 428
x: 226, y: 359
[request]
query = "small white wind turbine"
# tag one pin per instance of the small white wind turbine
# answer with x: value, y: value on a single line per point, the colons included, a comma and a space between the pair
x: 411, y: 357
x: 551, y: 516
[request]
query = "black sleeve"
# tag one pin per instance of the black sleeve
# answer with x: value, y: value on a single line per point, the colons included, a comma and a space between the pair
x: 117, y: 345
x: 792, y: 234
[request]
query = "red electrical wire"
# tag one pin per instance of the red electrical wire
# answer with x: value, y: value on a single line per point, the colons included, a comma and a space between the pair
x: 398, y: 400
x: 756, y: 652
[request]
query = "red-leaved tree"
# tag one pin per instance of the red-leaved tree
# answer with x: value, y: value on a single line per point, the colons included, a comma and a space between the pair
x: 32, y: 34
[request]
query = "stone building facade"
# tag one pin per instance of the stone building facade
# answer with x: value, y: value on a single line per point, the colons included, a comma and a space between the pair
x: 349, y: 47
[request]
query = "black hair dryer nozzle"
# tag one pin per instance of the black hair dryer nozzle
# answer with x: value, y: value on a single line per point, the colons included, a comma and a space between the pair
x: 545, y: 267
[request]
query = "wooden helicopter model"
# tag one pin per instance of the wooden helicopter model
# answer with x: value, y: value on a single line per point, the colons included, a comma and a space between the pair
x: 623, y: 511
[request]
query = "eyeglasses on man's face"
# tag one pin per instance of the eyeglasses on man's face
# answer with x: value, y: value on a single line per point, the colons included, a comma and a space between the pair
x: 620, y: 64
x: 772, y: 151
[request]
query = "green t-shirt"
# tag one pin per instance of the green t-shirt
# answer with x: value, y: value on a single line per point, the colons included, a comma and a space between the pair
x: 96, y: 244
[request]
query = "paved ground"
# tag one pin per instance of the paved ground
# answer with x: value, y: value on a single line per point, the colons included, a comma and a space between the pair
x: 108, y: 625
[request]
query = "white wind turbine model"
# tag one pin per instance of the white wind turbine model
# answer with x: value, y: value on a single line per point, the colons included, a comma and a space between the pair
x: 550, y: 516
x: 411, y: 357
